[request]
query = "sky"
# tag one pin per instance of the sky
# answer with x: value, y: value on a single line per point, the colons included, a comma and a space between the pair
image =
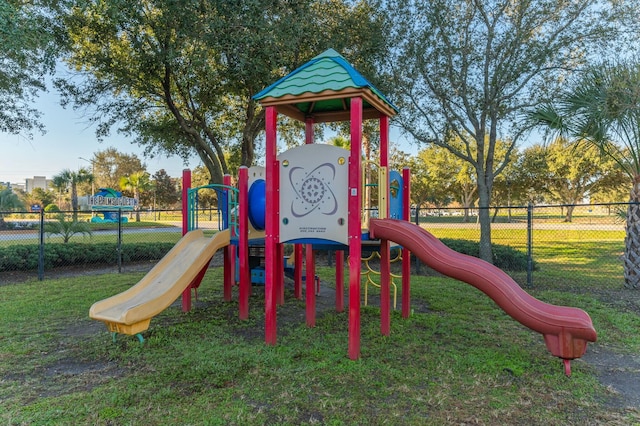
x: 67, y: 138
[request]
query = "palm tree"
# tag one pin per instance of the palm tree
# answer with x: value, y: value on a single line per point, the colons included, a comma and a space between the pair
x: 135, y: 183
x: 72, y: 179
x: 60, y: 186
x: 66, y: 229
x: 603, y: 105
x: 8, y: 201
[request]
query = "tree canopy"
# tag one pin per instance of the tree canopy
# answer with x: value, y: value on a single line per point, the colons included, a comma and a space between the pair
x: 178, y: 76
x: 28, y: 40
x: 468, y: 69
x: 563, y: 174
x: 601, y: 108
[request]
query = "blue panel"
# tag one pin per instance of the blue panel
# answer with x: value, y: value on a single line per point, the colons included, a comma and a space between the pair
x: 395, y: 195
x: 257, y: 204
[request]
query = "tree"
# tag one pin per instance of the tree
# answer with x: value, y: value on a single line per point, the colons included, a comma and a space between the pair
x: 66, y: 229
x: 60, y: 187
x: 599, y: 106
x: 528, y: 178
x: 165, y: 190
x: 179, y: 76
x: 28, y: 40
x: 136, y: 183
x: 110, y: 165
x: 42, y: 197
x: 8, y: 202
x: 72, y: 179
x: 466, y: 70
x: 206, y: 197
x: 569, y: 177
x: 508, y: 187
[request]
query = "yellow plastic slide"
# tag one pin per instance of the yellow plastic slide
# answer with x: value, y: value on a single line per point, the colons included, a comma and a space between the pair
x: 130, y: 312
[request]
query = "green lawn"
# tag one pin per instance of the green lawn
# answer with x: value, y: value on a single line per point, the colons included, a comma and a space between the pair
x: 565, y: 258
x: 457, y: 360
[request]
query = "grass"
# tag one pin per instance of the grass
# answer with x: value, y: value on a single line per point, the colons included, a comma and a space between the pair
x: 457, y: 360
x: 565, y: 258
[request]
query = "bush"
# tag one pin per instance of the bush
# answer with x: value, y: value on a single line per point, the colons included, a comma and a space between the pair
x: 25, y: 257
x: 66, y: 229
x: 504, y: 257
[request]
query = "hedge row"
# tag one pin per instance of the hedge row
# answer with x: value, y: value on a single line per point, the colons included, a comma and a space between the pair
x: 504, y: 257
x: 25, y: 257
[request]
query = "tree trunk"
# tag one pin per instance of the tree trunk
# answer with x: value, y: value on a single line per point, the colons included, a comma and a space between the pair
x: 569, y: 216
x: 74, y: 201
x: 484, y: 217
x: 632, y: 239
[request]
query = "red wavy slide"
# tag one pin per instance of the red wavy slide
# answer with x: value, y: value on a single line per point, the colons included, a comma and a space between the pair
x: 566, y: 330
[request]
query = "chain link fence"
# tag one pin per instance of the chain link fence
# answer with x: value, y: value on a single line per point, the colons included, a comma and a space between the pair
x: 39, y: 245
x: 563, y: 242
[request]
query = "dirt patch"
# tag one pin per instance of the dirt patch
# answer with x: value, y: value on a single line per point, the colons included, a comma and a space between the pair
x: 620, y: 373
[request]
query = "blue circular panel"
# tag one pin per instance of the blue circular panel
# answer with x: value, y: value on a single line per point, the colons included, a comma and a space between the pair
x: 257, y: 204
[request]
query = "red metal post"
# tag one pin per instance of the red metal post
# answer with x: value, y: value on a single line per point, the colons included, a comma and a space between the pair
x: 355, y: 224
x: 244, y: 287
x: 309, y: 134
x: 384, y: 141
x: 186, y: 185
x: 384, y: 156
x: 271, y: 224
x: 297, y: 261
x: 310, y: 286
x: 406, y: 254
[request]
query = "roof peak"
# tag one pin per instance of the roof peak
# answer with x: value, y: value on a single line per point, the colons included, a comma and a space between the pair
x: 329, y: 53
x: 319, y: 88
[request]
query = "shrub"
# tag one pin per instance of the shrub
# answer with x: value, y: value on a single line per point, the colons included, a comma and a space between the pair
x: 66, y: 229
x: 25, y: 257
x: 504, y: 257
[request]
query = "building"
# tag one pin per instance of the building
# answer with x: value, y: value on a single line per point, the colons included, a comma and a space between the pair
x: 36, y: 182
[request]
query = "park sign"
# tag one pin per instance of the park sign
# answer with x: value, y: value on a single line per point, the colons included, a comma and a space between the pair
x: 110, y: 199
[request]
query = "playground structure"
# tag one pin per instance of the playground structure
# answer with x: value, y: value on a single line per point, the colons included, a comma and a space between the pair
x: 311, y: 196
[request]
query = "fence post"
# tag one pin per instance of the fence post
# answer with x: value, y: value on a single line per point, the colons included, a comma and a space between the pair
x: 119, y: 249
x: 530, y: 245
x: 41, y: 248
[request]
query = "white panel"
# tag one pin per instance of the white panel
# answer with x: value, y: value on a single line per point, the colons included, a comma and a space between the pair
x: 313, y: 193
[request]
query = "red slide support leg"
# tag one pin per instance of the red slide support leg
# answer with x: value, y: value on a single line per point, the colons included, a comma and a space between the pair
x: 310, y: 287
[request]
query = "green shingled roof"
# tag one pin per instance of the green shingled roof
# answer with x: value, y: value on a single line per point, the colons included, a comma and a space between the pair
x: 321, y: 87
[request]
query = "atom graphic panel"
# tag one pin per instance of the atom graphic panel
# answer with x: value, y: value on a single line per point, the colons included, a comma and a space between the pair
x: 313, y: 193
